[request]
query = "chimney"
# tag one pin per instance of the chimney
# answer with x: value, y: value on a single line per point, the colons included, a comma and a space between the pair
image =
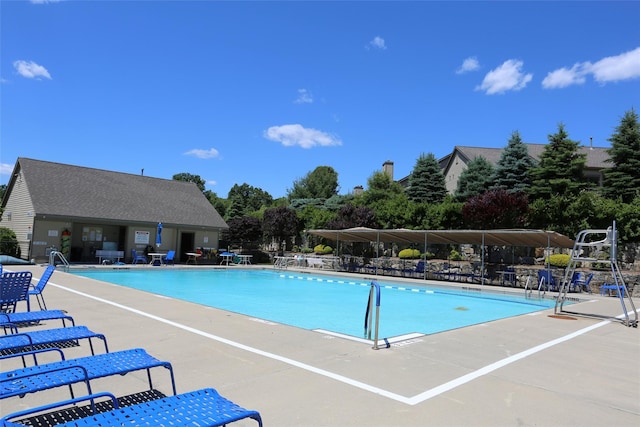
x: 357, y: 190
x: 387, y: 167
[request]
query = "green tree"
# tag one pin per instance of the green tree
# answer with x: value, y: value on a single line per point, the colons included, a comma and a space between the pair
x: 219, y: 204
x: 628, y: 221
x: 475, y: 179
x: 9, y: 243
x: 314, y: 217
x: 187, y: 177
x: 561, y: 168
x: 512, y: 171
x: 379, y: 187
x: 387, y: 199
x: 446, y: 215
x: 622, y: 180
x: 321, y: 183
x: 245, y: 199
x: 426, y: 182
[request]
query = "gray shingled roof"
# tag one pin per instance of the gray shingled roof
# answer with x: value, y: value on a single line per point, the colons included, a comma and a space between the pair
x: 81, y: 192
x: 596, y: 156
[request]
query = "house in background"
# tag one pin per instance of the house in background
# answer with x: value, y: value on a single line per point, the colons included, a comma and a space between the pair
x: 454, y: 163
x: 79, y: 210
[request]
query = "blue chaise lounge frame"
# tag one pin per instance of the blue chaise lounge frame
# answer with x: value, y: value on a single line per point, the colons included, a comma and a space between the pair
x: 32, y: 340
x: 32, y: 379
x: 204, y: 408
x: 22, y: 317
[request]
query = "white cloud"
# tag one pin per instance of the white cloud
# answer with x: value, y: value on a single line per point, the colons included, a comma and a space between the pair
x: 212, y: 182
x: 30, y: 69
x: 290, y: 135
x: 304, y: 97
x: 613, y: 68
x: 203, y: 154
x: 506, y: 77
x: 377, y: 43
x: 564, y: 77
x: 469, y: 64
x: 6, y: 169
x: 625, y: 66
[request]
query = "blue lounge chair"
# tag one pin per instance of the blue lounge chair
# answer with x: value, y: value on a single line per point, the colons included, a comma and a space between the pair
x: 417, y: 271
x: 84, y: 369
x: 509, y: 276
x: 37, y: 289
x: 23, y: 341
x: 205, y: 408
x: 14, y: 287
x: 586, y: 285
x: 31, y: 317
x: 168, y: 258
x: 546, y: 280
x: 618, y: 289
x: 137, y: 257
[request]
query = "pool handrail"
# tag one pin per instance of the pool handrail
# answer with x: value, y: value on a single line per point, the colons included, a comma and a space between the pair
x: 368, y: 317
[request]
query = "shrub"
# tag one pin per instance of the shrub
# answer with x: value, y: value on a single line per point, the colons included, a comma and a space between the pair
x: 409, y: 254
x: 322, y: 249
x: 455, y: 255
x: 558, y: 260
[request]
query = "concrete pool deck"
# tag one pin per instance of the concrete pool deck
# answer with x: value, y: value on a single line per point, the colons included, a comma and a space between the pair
x: 530, y: 370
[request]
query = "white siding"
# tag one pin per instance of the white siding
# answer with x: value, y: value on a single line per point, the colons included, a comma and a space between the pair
x: 19, y: 215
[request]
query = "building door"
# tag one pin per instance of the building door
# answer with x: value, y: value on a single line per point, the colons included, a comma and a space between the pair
x: 187, y: 240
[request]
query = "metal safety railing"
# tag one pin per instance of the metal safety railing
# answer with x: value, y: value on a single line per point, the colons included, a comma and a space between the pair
x: 369, y: 326
x: 582, y: 250
x: 53, y: 255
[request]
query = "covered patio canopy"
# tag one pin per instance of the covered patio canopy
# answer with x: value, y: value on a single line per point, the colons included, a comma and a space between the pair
x: 520, y: 237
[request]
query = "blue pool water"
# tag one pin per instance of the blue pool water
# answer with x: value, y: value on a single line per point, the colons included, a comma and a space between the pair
x: 325, y: 302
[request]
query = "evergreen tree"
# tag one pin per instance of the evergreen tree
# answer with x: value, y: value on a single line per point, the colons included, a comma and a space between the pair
x: 623, y: 178
x: 512, y: 170
x: 475, y: 179
x: 426, y: 183
x: 380, y: 186
x: 561, y: 168
x: 245, y: 199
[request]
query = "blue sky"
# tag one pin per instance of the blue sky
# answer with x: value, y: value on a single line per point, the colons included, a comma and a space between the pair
x: 264, y: 92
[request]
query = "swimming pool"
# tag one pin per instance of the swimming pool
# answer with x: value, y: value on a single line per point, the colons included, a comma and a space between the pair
x: 313, y: 301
